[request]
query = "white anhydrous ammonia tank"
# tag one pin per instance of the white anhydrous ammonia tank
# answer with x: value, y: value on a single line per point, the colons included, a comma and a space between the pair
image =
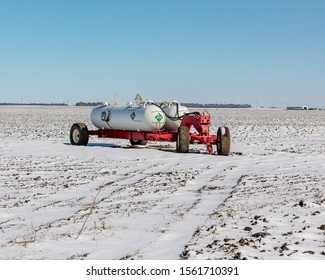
x: 134, y: 117
x: 174, y: 110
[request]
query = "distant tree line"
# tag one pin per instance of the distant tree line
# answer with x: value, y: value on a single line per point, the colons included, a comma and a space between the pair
x: 88, y: 103
x: 34, y: 104
x: 93, y: 104
x: 213, y: 105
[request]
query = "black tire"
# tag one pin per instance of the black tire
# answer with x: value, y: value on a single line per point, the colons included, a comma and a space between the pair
x: 183, y: 140
x: 223, y: 142
x: 138, y: 142
x: 79, y: 134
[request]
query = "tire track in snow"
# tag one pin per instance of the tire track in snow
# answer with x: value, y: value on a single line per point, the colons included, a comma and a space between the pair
x: 189, y: 207
x: 269, y: 213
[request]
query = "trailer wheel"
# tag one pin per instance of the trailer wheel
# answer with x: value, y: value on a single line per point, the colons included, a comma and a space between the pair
x: 183, y: 140
x: 138, y: 142
x: 79, y: 134
x: 223, y: 142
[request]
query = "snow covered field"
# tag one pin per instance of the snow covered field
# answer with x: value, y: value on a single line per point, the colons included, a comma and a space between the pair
x: 110, y: 201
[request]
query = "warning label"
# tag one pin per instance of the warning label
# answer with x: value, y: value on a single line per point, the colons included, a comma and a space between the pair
x: 132, y: 116
x: 159, y: 117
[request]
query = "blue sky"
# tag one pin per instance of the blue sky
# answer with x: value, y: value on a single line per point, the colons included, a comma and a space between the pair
x: 262, y: 53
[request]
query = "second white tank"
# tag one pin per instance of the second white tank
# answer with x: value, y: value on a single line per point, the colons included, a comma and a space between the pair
x: 174, y: 110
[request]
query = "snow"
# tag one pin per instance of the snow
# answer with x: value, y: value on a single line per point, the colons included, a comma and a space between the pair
x: 111, y: 201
